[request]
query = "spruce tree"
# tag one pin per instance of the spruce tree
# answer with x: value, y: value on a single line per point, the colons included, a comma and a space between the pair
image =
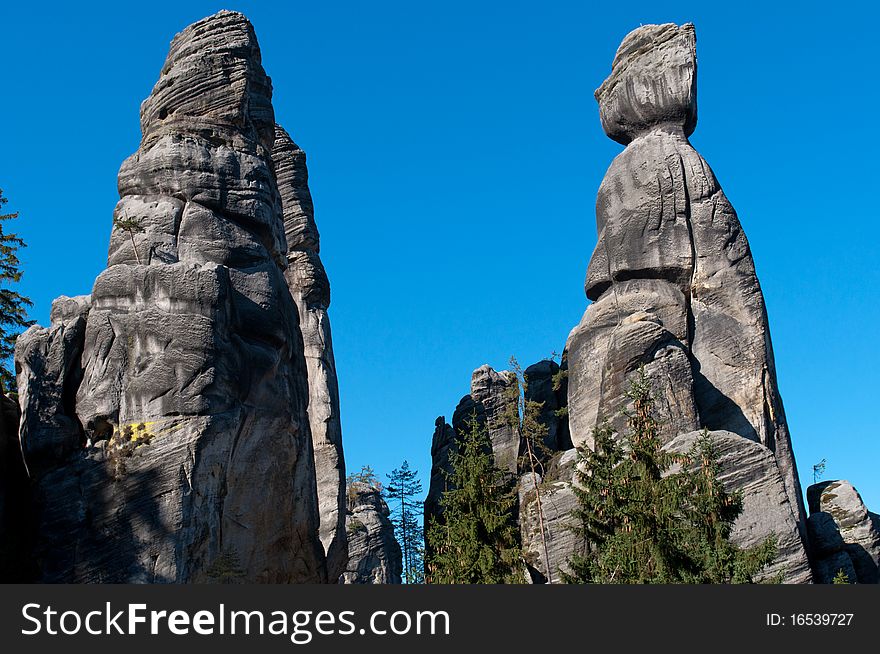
x: 13, y: 305
x: 366, y: 476
x: 401, y: 492
x: 599, y: 512
x: 652, y: 516
x: 476, y: 541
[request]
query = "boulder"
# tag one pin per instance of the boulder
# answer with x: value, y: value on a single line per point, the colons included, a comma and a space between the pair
x: 653, y: 81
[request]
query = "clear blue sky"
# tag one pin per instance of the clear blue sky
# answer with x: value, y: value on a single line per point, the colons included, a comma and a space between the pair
x: 455, y: 151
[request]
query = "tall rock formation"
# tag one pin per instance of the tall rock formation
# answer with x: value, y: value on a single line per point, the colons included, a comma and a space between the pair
x: 374, y: 553
x: 490, y: 402
x: 310, y: 288
x: 844, y: 535
x: 492, y: 398
x: 443, y: 443
x: 673, y: 282
x: 165, y: 423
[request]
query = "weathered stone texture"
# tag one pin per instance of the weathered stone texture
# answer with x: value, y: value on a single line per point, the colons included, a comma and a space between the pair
x: 843, y: 533
x: 374, y: 553
x: 558, y: 500
x: 310, y: 289
x: 491, y: 402
x: 672, y: 278
x: 159, y: 416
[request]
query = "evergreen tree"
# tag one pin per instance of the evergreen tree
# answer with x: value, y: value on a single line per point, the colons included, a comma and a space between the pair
x: 651, y: 516
x: 13, y: 305
x: 366, y: 476
x: 226, y: 568
x: 401, y: 492
x: 477, y: 539
x: 840, y: 578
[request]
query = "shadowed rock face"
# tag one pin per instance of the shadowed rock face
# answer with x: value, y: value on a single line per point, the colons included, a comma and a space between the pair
x: 374, y: 553
x: 310, y: 289
x: 844, y: 535
x: 672, y: 278
x: 544, y: 388
x: 165, y: 420
x: 443, y: 443
x: 15, y: 559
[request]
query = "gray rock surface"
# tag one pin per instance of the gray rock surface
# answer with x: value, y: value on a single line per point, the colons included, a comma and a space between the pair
x: 843, y: 533
x: 672, y: 279
x: 310, y: 289
x: 490, y: 402
x: 751, y: 468
x: 49, y: 372
x: 558, y: 500
x: 653, y: 81
x: 374, y: 553
x: 492, y: 398
x: 157, y: 430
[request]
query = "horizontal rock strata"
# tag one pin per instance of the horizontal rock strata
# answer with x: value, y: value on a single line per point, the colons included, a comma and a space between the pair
x: 161, y: 413
x: 672, y: 279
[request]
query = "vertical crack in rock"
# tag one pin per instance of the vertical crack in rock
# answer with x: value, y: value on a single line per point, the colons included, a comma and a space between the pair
x: 310, y: 289
x: 190, y: 453
x: 674, y: 288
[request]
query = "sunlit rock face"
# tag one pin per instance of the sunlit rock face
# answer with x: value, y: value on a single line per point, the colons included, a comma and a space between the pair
x: 310, y: 289
x: 673, y: 282
x: 844, y: 535
x: 169, y: 436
